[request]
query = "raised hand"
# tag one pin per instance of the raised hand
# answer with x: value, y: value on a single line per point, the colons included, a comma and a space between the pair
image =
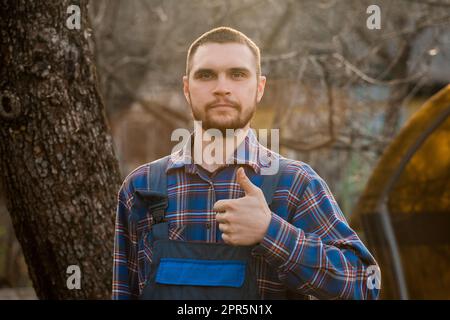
x: 244, y: 221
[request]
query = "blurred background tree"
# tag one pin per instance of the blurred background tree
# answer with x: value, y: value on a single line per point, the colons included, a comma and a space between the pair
x: 57, y: 162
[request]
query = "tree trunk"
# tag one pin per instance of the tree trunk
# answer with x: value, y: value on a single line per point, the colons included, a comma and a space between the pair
x: 57, y: 160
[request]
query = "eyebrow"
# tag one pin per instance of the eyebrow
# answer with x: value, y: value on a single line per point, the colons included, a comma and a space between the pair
x: 203, y: 70
x: 240, y: 69
x: 236, y: 69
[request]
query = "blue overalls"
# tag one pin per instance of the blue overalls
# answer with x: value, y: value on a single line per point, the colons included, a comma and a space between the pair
x: 196, y: 270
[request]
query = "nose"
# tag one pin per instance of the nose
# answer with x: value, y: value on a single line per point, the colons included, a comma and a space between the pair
x: 223, y: 87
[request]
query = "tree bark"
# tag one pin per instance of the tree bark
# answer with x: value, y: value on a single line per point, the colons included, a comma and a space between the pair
x: 56, y: 155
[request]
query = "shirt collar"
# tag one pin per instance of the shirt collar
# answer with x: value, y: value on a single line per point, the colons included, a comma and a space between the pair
x: 250, y: 152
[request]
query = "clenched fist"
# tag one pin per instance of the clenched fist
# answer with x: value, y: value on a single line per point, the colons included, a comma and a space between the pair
x: 244, y: 221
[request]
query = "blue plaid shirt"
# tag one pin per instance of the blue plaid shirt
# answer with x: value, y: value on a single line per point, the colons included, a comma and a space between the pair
x: 309, y: 248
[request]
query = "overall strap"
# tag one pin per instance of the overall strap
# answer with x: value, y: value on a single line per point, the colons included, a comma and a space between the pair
x: 270, y: 182
x: 157, y: 185
x: 157, y: 179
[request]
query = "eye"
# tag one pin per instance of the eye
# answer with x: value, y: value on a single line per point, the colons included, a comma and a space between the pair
x: 204, y: 75
x: 238, y: 74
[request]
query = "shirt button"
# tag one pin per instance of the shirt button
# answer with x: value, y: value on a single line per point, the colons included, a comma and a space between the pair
x: 208, y: 225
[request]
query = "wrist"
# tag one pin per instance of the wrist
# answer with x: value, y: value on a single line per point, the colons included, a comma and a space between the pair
x: 265, y: 225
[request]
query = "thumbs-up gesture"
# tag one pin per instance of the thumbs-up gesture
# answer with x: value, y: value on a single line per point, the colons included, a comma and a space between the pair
x: 244, y: 221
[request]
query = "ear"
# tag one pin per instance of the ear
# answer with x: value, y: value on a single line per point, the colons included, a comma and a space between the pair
x: 186, y: 88
x: 260, y: 88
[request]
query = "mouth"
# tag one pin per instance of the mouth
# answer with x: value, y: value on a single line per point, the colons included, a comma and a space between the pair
x: 222, y: 105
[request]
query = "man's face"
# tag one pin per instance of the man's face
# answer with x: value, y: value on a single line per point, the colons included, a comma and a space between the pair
x: 222, y: 88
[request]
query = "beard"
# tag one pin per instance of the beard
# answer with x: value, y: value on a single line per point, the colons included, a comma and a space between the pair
x: 235, y: 118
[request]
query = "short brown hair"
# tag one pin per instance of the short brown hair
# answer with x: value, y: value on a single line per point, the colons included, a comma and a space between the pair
x: 224, y: 35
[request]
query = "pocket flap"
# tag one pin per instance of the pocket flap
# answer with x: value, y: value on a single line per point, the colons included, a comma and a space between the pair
x: 226, y: 273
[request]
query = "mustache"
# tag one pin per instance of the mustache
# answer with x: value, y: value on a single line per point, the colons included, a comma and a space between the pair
x: 226, y: 101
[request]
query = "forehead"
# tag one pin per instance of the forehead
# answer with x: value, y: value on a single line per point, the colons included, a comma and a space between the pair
x: 220, y: 56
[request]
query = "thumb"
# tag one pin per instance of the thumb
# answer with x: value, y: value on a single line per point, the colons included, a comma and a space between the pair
x: 245, y: 183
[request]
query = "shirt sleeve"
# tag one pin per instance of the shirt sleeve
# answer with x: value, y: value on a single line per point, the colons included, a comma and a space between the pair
x: 125, y: 275
x: 317, y: 253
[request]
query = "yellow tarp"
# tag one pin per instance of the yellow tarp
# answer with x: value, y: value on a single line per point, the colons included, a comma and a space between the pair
x: 419, y: 205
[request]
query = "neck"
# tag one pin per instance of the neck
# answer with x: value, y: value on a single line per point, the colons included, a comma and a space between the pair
x: 223, y: 145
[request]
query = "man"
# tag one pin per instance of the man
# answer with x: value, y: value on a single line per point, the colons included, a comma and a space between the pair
x: 217, y: 236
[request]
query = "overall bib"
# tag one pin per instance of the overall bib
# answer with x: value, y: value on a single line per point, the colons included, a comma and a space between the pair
x: 196, y: 270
